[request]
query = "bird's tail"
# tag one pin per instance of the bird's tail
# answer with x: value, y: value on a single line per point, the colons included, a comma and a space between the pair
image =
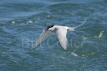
x: 80, y: 24
x: 73, y: 28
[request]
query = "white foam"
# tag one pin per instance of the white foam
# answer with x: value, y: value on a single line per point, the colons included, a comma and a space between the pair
x: 30, y: 21
x: 13, y: 22
x: 101, y: 33
x: 74, y: 54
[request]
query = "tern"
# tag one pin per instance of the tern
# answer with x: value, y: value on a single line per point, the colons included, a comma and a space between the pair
x: 61, y: 32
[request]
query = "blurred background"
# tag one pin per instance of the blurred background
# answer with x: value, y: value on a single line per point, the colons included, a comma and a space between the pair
x: 22, y: 21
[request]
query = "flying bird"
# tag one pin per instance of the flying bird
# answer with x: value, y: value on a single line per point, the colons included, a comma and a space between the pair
x: 61, y: 32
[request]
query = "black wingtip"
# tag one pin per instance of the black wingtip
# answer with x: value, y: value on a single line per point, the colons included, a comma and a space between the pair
x: 50, y: 26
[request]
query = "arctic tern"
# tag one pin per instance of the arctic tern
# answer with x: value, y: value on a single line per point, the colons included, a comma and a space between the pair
x: 61, y: 32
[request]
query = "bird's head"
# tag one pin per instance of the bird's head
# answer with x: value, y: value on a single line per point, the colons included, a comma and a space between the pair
x: 49, y: 28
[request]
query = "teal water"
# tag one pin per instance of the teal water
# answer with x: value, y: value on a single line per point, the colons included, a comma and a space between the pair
x: 21, y: 22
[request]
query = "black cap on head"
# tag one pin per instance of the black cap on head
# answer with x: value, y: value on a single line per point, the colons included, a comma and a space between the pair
x: 50, y: 26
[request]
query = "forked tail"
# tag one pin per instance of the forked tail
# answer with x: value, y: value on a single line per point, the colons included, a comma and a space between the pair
x: 73, y: 28
x: 80, y: 24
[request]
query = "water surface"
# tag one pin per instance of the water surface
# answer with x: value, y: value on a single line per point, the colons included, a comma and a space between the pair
x: 21, y: 22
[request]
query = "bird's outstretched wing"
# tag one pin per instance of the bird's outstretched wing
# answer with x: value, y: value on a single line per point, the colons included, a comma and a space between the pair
x: 61, y: 34
x: 41, y: 38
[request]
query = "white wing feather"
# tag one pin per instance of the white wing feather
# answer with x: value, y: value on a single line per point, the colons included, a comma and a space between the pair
x: 61, y: 34
x: 41, y: 38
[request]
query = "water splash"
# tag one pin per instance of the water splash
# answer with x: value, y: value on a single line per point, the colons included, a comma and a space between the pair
x: 74, y: 54
x: 101, y: 33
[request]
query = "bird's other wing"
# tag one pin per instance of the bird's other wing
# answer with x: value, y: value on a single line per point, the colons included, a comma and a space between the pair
x: 61, y: 34
x: 41, y: 38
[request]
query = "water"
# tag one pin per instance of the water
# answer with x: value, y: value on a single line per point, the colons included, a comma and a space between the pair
x: 21, y: 22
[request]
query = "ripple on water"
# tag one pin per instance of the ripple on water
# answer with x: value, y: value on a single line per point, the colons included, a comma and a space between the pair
x: 25, y: 20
